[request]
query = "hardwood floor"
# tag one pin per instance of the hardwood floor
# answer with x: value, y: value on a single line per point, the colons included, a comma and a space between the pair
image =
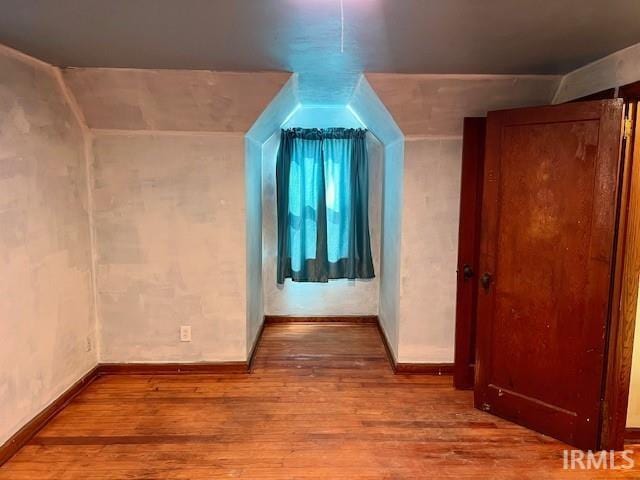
x: 322, y: 403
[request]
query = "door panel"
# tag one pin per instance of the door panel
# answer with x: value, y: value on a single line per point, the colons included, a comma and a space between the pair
x: 473, y: 137
x: 547, y: 237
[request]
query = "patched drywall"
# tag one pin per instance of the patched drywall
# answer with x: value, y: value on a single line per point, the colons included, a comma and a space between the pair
x: 177, y: 215
x: 281, y: 107
x: 175, y: 204
x: 336, y: 297
x: 253, y: 196
x: 367, y: 107
x: 434, y: 105
x: 47, y: 323
x: 182, y: 100
x: 390, y: 248
x: 170, y: 225
x: 429, y: 109
x: 432, y: 169
x: 615, y: 70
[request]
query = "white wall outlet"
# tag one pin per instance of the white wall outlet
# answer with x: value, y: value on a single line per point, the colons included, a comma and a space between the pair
x: 185, y: 333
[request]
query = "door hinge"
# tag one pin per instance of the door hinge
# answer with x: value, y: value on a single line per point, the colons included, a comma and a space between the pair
x: 628, y: 127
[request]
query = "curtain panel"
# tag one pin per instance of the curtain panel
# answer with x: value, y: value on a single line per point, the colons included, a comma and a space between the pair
x: 322, y: 181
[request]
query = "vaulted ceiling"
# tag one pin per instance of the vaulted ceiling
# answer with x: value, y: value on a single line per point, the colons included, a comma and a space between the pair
x: 327, y: 41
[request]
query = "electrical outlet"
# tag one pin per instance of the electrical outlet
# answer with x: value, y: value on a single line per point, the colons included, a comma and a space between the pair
x: 185, y: 333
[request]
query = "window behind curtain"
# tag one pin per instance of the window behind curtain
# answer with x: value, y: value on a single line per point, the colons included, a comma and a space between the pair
x: 322, y: 195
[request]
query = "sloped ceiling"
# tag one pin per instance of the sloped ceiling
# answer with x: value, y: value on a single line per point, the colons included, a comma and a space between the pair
x: 328, y: 42
x: 174, y: 100
x: 433, y: 105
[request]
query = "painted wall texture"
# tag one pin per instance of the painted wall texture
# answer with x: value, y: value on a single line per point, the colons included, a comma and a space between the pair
x: 170, y: 234
x: 368, y: 107
x: 174, y: 198
x: 429, y: 109
x: 337, y: 297
x: 434, y: 105
x: 390, y: 249
x: 47, y: 322
x: 256, y: 139
x: 432, y: 169
x: 183, y: 100
x: 615, y: 70
x: 183, y: 211
x: 253, y: 198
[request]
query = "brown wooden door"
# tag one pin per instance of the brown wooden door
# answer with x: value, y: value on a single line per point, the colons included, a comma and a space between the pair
x: 547, y: 241
x: 473, y: 136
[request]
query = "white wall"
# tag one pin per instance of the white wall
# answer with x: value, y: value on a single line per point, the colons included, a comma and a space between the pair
x: 281, y: 107
x: 170, y: 235
x: 327, y: 116
x: 434, y: 105
x: 368, y: 107
x: 432, y: 169
x: 172, y: 100
x: 619, y: 68
x: 253, y: 195
x: 429, y: 109
x: 174, y: 199
x: 337, y: 297
x: 390, y: 265
x: 175, y: 205
x: 47, y: 322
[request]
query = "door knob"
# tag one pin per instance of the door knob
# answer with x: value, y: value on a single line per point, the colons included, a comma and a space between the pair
x: 467, y: 271
x: 485, y: 280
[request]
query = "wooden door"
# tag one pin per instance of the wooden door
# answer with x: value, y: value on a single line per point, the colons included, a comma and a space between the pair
x: 546, y: 252
x: 473, y: 136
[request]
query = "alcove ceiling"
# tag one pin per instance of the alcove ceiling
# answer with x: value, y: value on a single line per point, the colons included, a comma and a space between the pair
x: 327, y: 42
x: 364, y: 106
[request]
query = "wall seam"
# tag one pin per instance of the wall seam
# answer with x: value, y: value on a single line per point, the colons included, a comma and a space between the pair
x: 202, y: 70
x: 87, y: 138
x: 585, y: 67
x: 469, y: 76
x: 558, y: 91
x: 418, y: 137
x: 25, y: 57
x: 172, y: 133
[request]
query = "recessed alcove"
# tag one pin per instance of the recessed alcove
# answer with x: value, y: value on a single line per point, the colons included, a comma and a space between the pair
x: 377, y: 296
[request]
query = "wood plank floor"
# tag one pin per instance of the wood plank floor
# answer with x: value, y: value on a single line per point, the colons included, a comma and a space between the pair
x: 322, y: 403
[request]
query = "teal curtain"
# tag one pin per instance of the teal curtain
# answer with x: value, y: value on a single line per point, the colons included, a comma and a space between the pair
x: 322, y: 182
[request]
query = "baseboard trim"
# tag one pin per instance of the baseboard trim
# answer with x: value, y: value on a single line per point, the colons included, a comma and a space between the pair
x: 413, y: 368
x: 387, y: 347
x: 37, y: 423
x: 270, y: 319
x: 29, y: 430
x: 256, y: 344
x: 199, y: 368
x: 425, y: 368
x: 632, y: 435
